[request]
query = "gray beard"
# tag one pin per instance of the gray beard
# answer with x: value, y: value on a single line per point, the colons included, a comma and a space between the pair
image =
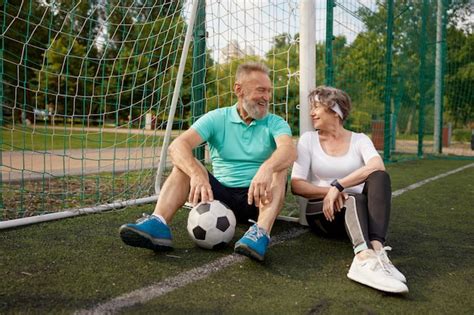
x: 252, y: 111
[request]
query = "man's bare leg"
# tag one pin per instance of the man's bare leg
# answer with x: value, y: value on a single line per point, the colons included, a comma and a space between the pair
x: 255, y: 241
x: 153, y: 233
x: 269, y: 212
x: 173, y: 194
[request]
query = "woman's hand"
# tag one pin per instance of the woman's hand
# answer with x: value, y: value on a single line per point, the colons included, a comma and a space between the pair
x: 333, y: 202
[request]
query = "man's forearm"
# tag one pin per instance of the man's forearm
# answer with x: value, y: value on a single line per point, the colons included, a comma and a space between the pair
x: 181, y: 155
x: 282, y: 158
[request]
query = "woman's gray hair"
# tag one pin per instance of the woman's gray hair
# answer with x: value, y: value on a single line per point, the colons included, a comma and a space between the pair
x: 329, y: 97
x: 249, y: 67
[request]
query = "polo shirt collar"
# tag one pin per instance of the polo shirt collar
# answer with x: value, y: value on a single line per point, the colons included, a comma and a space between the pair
x: 235, y: 117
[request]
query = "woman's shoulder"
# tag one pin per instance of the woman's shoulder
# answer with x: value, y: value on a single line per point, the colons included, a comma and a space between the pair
x: 309, y: 134
x: 359, y: 136
x: 361, y: 140
x: 308, y: 137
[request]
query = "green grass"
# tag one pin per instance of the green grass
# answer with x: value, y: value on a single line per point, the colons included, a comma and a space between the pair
x: 44, y: 139
x: 413, y: 136
x: 28, y: 198
x: 72, y: 264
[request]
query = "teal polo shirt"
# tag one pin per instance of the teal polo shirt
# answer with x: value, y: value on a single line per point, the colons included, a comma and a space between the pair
x: 237, y: 149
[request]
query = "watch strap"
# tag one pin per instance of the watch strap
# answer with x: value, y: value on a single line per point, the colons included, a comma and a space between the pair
x: 335, y: 183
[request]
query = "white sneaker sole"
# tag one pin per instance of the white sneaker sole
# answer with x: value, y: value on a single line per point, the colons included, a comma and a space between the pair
x: 355, y: 277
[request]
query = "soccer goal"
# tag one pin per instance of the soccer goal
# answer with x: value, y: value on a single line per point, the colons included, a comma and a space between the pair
x: 92, y: 92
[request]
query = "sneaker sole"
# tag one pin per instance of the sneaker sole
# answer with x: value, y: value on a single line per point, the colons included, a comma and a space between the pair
x: 356, y: 278
x: 399, y: 278
x: 247, y: 251
x: 136, y: 238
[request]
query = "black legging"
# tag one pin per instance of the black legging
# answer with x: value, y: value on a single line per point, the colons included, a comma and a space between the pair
x: 368, y: 221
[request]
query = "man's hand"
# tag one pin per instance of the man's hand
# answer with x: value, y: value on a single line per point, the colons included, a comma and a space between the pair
x: 334, y: 201
x: 260, y: 187
x: 181, y: 153
x: 200, y: 189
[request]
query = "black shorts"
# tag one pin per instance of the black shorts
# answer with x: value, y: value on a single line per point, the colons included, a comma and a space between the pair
x: 235, y: 199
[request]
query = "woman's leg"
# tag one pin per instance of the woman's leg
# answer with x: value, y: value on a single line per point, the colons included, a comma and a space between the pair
x: 318, y: 223
x: 366, y: 220
x: 368, y: 266
x: 379, y: 195
x: 357, y: 223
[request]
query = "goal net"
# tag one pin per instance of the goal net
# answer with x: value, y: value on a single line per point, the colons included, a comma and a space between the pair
x: 87, y: 87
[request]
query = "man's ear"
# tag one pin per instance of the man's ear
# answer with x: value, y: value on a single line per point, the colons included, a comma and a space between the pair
x: 237, y: 88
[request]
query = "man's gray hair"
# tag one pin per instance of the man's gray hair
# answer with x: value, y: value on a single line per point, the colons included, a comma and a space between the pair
x: 249, y: 67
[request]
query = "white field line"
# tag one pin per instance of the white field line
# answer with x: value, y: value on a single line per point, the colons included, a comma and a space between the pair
x: 170, y: 284
x: 146, y: 294
x: 425, y: 181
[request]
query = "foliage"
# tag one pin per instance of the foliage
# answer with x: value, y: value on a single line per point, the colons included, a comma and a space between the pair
x: 462, y: 135
x: 460, y: 77
x: 283, y: 60
x: 359, y: 121
x: 115, y: 62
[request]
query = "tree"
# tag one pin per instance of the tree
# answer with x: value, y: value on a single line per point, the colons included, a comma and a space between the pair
x: 283, y: 60
x: 110, y: 62
x: 460, y: 77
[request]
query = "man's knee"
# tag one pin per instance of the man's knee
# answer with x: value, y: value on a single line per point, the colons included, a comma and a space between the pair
x: 176, y: 171
x: 177, y: 175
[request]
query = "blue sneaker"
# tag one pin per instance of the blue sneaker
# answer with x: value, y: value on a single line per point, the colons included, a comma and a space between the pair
x: 149, y: 232
x: 254, y: 243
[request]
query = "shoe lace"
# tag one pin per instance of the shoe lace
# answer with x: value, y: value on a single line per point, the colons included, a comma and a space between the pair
x: 379, y: 263
x: 382, y: 254
x: 254, y: 233
x: 143, y: 218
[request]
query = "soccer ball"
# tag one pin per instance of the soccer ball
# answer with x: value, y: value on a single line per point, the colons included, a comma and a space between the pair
x: 211, y: 225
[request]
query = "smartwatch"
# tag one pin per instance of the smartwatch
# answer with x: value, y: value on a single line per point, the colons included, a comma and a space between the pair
x: 336, y: 184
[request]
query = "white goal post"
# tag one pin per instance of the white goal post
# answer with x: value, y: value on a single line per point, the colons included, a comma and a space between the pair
x: 92, y: 96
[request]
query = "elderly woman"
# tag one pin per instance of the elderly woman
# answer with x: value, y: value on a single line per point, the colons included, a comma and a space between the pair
x: 344, y: 179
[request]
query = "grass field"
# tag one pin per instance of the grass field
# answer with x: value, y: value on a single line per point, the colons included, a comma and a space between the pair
x: 76, y: 264
x: 46, y: 139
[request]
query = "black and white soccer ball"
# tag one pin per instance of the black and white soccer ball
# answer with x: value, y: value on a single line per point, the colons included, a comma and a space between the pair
x: 211, y: 225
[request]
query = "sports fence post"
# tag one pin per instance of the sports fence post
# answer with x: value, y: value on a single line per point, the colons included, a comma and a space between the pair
x: 388, y: 81
x: 421, y: 115
x: 307, y: 74
x: 199, y: 71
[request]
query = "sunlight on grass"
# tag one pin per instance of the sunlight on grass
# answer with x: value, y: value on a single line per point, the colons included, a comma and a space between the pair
x: 44, y: 139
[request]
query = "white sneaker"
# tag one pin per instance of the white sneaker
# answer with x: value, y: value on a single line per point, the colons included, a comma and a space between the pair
x: 372, y: 273
x: 388, y: 264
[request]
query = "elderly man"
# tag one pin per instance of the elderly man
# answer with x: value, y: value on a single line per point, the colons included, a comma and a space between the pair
x: 251, y: 151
